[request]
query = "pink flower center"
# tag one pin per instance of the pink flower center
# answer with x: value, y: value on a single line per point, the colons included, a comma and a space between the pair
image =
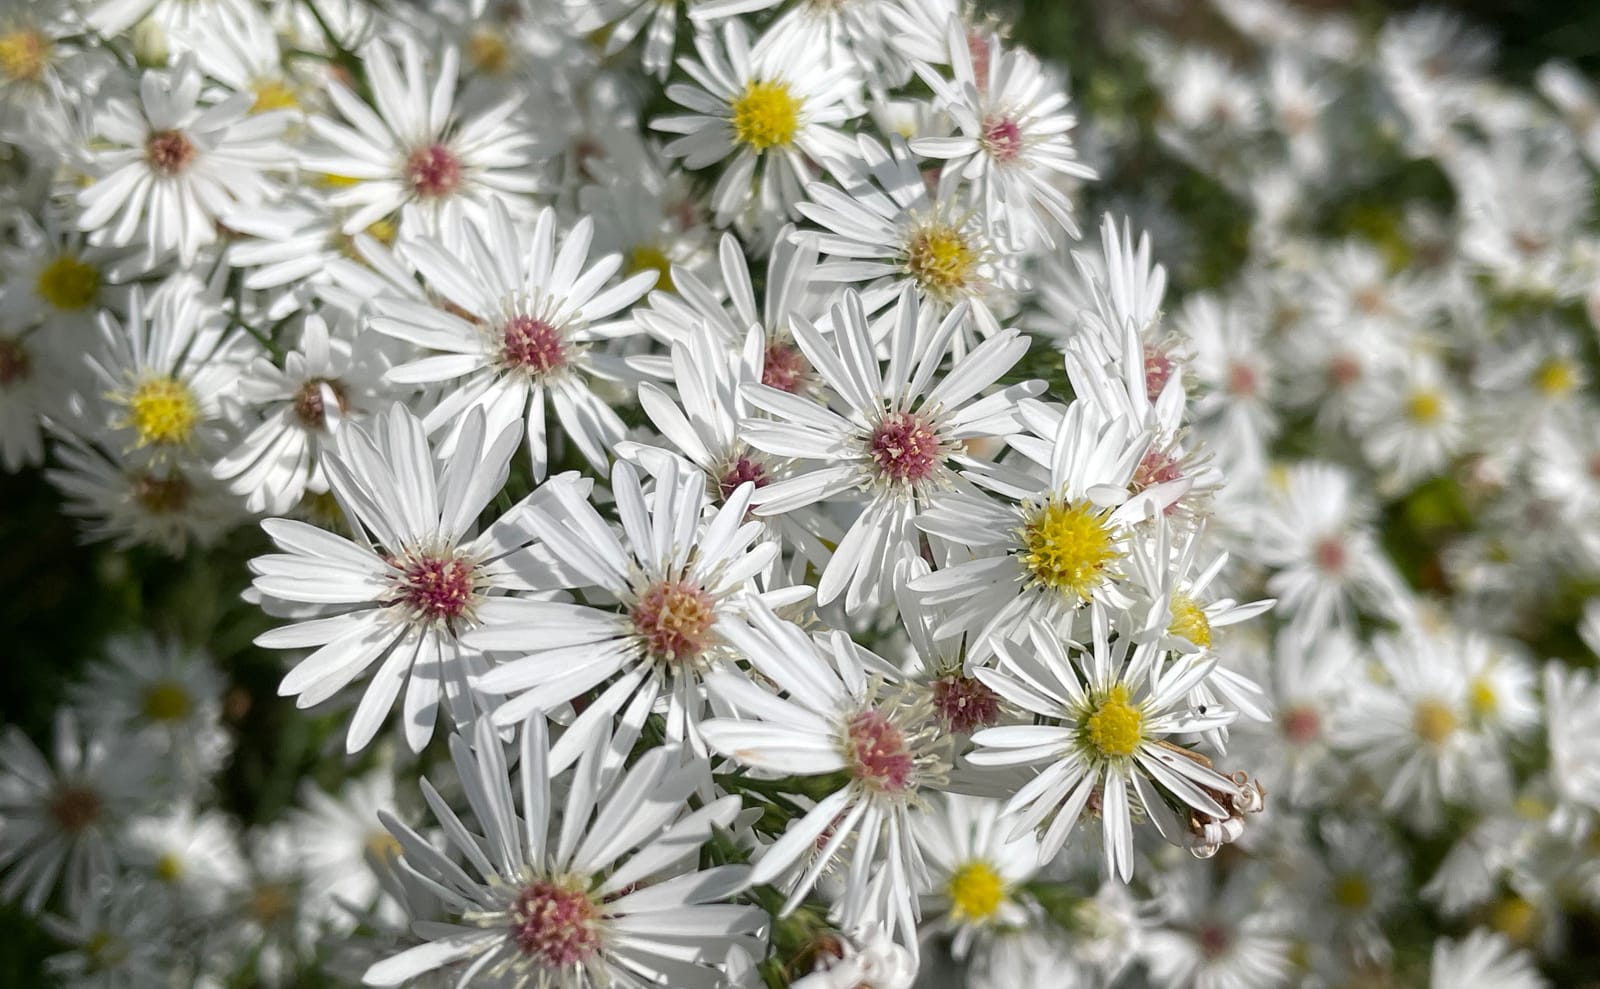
x: 308, y: 404
x: 905, y: 448
x: 433, y: 171
x: 674, y: 617
x: 160, y: 495
x: 742, y: 471
x: 74, y: 808
x: 1213, y: 940
x: 878, y: 754
x: 1157, y: 371
x: 533, y: 345
x: 1242, y: 379
x: 1156, y: 467
x: 438, y: 588
x: 1343, y: 371
x: 783, y: 367
x: 1302, y: 725
x: 964, y: 704
x: 168, y: 151
x: 555, y: 924
x: 1002, y: 138
x: 15, y: 364
x: 1331, y: 555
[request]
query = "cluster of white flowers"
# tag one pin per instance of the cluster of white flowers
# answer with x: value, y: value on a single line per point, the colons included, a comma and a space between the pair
x: 899, y: 593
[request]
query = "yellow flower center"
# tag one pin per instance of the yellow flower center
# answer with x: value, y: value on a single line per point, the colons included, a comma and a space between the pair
x: 163, y: 410
x: 328, y: 180
x: 1116, y: 726
x: 941, y: 260
x: 1424, y: 406
x: 1482, y: 698
x: 1434, y: 722
x: 649, y: 257
x: 1351, y: 892
x: 383, y: 846
x: 68, y: 283
x: 488, y: 52
x: 166, y: 701
x: 274, y: 94
x: 1189, y: 621
x: 976, y: 891
x: 766, y: 116
x: 1555, y: 377
x: 103, y: 951
x: 1516, y: 918
x: 1066, y: 546
x: 23, y: 54
x: 169, y: 868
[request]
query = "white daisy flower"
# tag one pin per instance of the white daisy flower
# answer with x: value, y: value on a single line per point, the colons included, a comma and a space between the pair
x: 26, y: 391
x: 401, y: 595
x: 168, y: 168
x: 193, y: 854
x: 703, y: 428
x: 885, y: 226
x: 1012, y: 144
x: 1314, y: 530
x: 127, y: 500
x: 531, y: 317
x: 163, y: 372
x: 169, y: 693
x: 1410, y: 422
x: 1482, y: 960
x: 1572, y: 720
x: 120, y: 939
x: 1110, y: 710
x: 1060, y: 539
x: 293, y: 244
x: 1217, y: 933
x: 611, y: 898
x: 340, y: 841
x: 62, y: 813
x: 410, y: 153
x: 894, y: 435
x: 59, y: 282
x: 976, y: 868
x: 322, y: 381
x: 1413, y: 735
x: 837, y: 716
x: 679, y: 579
x: 773, y: 110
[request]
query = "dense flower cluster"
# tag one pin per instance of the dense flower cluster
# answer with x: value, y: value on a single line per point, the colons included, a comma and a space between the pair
x: 740, y: 530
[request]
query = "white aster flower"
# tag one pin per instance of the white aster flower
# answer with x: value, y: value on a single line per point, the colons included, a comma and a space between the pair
x: 169, y: 693
x: 611, y: 897
x: 1013, y: 145
x: 1482, y: 960
x: 63, y: 813
x: 339, y: 842
x: 1110, y: 711
x: 892, y: 437
x: 169, y: 168
x: 411, y: 153
x: 532, y: 319
x: 679, y: 579
x: 320, y: 383
x: 838, y: 715
x: 401, y: 594
x: 885, y: 226
x: 976, y: 868
x: 193, y: 854
x: 1059, y: 540
x: 121, y: 938
x: 771, y: 109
